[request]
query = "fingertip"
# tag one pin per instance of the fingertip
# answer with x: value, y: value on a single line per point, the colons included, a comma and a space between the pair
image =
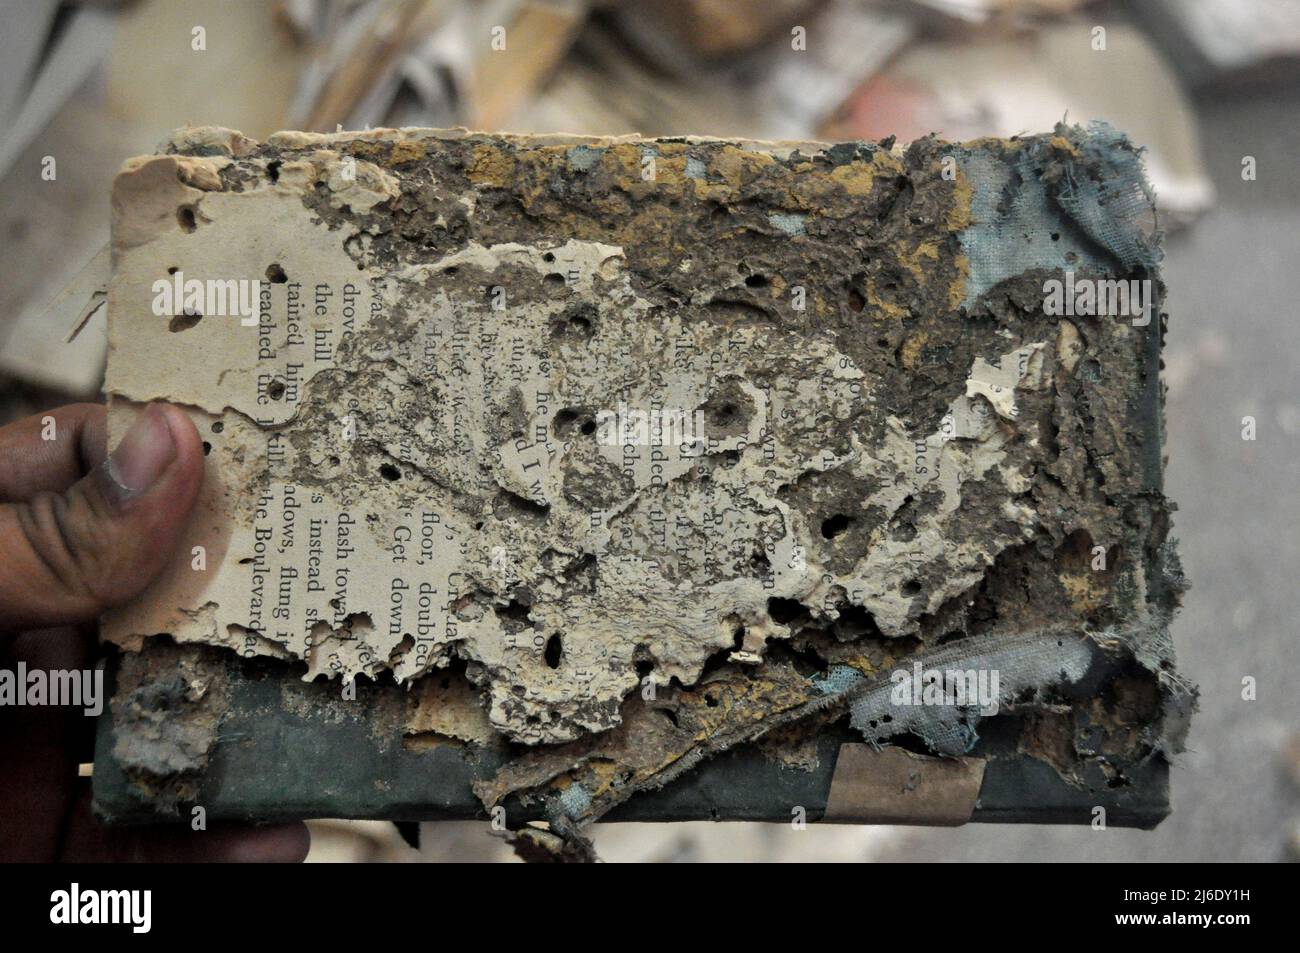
x: 175, y: 487
x: 88, y: 840
x: 272, y: 844
x: 189, y: 445
x: 179, y: 422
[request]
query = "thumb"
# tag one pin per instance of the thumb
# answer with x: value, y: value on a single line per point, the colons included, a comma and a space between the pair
x: 67, y: 557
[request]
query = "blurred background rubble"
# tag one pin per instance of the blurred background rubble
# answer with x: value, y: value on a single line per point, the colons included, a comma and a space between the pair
x: 1202, y: 84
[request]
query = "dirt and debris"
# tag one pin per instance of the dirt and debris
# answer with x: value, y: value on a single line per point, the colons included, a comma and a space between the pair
x: 167, y: 706
x: 621, y: 452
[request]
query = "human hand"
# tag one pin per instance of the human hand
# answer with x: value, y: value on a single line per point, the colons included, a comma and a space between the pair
x: 79, y: 534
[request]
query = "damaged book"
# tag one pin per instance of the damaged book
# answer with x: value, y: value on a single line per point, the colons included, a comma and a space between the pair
x: 556, y: 478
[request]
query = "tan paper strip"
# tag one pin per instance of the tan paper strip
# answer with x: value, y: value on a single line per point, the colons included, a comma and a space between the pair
x: 893, y: 786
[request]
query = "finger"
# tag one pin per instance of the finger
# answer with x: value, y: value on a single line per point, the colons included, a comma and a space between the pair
x: 86, y: 840
x: 67, y: 557
x: 47, y: 453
